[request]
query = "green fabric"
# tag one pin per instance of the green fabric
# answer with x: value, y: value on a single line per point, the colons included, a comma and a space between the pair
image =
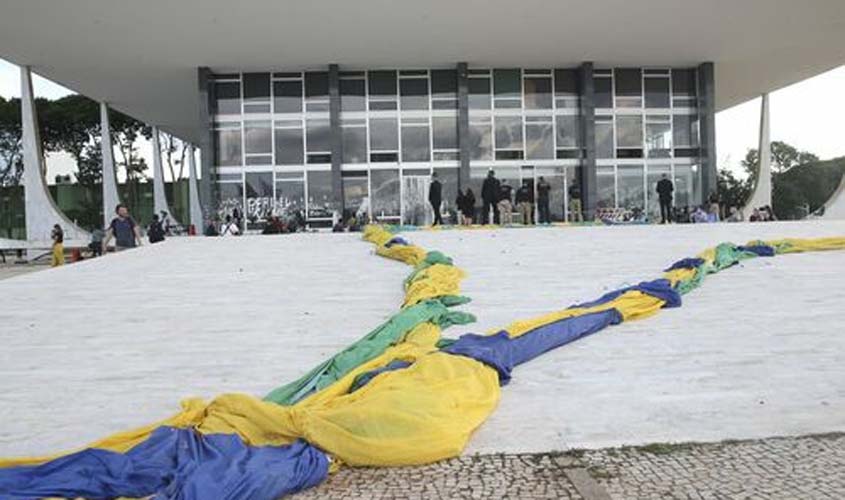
x: 372, y: 345
x: 727, y: 255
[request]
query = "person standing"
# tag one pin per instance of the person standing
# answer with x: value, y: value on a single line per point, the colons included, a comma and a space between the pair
x: 715, y: 206
x: 468, y: 208
x: 543, y: 212
x: 435, y: 197
x: 505, y: 204
x: 460, y: 201
x: 575, y: 207
x: 490, y: 198
x: 230, y: 228
x: 664, y: 193
x: 58, y: 237
x: 525, y: 203
x: 155, y: 231
x: 123, y: 229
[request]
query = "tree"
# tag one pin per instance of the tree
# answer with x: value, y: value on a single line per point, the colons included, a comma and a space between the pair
x: 11, y: 157
x: 732, y: 191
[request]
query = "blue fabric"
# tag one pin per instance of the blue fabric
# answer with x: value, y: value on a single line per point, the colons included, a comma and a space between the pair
x: 759, y: 250
x: 503, y: 353
x: 688, y: 263
x: 173, y: 464
x: 396, y: 240
x: 365, y: 378
x: 659, y: 288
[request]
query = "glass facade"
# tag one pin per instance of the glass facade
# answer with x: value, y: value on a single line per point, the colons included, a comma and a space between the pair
x: 274, y: 138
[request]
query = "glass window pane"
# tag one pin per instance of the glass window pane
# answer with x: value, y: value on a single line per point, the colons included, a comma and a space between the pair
x: 384, y: 135
x: 628, y: 82
x: 658, y: 140
x: 256, y: 87
x: 685, y: 131
x: 509, y: 132
x: 413, y: 94
x: 683, y: 82
x: 356, y: 196
x: 605, y: 187
x: 259, y: 197
x: 258, y: 139
x: 539, y: 141
x: 386, y: 202
x: 228, y: 98
x: 289, y: 146
x: 444, y: 83
x: 657, y: 92
x: 382, y: 83
x: 603, y: 92
x: 568, y: 132
x: 604, y: 140
x: 566, y: 82
x: 354, y: 144
x: 290, y: 198
x: 320, y: 202
x: 538, y: 93
x: 317, y: 85
x: 229, y: 147
x: 231, y: 197
x: 629, y: 131
x: 506, y: 83
x: 479, y: 93
x: 653, y: 176
x: 448, y: 178
x: 687, y: 186
x: 352, y: 95
x: 481, y: 141
x: 318, y: 135
x: 287, y: 97
x: 415, y: 144
x: 445, y: 132
x: 630, y: 187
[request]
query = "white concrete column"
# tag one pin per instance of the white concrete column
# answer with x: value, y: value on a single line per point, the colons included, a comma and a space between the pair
x: 193, y: 193
x: 834, y: 209
x: 159, y: 196
x: 761, y: 195
x: 41, y: 210
x: 110, y: 194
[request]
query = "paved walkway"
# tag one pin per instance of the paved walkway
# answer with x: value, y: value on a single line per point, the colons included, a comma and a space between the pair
x: 806, y: 468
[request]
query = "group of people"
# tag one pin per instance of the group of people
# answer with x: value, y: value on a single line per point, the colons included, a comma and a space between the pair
x: 499, y: 201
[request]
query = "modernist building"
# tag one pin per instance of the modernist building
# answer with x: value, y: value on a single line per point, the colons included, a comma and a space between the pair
x: 329, y: 107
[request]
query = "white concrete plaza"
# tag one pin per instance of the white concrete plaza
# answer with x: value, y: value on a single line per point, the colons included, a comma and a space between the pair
x: 113, y: 343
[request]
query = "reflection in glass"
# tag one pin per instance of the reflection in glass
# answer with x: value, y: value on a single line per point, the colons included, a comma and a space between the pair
x: 629, y: 131
x: 481, y: 141
x: 352, y: 95
x: 658, y: 138
x: 605, y: 187
x: 413, y: 94
x: 479, y: 93
x: 318, y: 135
x: 382, y: 83
x: 448, y: 178
x: 444, y: 84
x: 539, y: 141
x: 384, y: 134
x: 506, y: 84
x: 320, y: 202
x: 386, y: 202
x: 415, y: 143
x: 538, y: 93
x: 227, y: 98
x: 258, y: 138
x: 685, y: 131
x: 657, y: 93
x: 228, y: 147
x: 445, y: 132
x: 256, y: 87
x: 259, y: 197
x: 317, y: 91
x: 568, y: 133
x: 687, y: 186
x: 287, y: 97
x: 356, y: 195
x: 603, y: 91
x: 354, y: 144
x: 231, y: 197
x: 604, y: 139
x: 289, y: 146
x: 290, y: 198
x: 509, y: 132
x: 630, y: 188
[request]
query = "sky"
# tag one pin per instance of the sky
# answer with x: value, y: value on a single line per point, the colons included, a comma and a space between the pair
x: 806, y: 115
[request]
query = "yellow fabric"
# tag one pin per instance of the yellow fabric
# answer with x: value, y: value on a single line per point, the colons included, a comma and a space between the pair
x: 795, y: 245
x: 409, y: 254
x: 677, y: 275
x: 434, y: 281
x: 633, y: 305
x: 377, y: 235
x: 191, y: 414
x: 708, y: 255
x: 58, y: 257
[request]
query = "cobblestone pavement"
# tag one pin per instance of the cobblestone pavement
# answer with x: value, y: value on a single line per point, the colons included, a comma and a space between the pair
x: 800, y: 468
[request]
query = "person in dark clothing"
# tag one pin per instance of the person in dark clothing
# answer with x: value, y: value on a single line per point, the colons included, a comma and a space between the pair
x: 505, y: 203
x: 123, y: 229
x: 459, y: 202
x: 664, y: 193
x: 489, y: 198
x: 211, y: 229
x: 543, y: 212
x: 155, y: 231
x: 525, y: 203
x: 435, y: 197
x: 468, y: 207
x: 576, y: 209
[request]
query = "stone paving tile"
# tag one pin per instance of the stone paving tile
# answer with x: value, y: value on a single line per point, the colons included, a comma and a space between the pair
x: 805, y: 468
x: 483, y: 477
